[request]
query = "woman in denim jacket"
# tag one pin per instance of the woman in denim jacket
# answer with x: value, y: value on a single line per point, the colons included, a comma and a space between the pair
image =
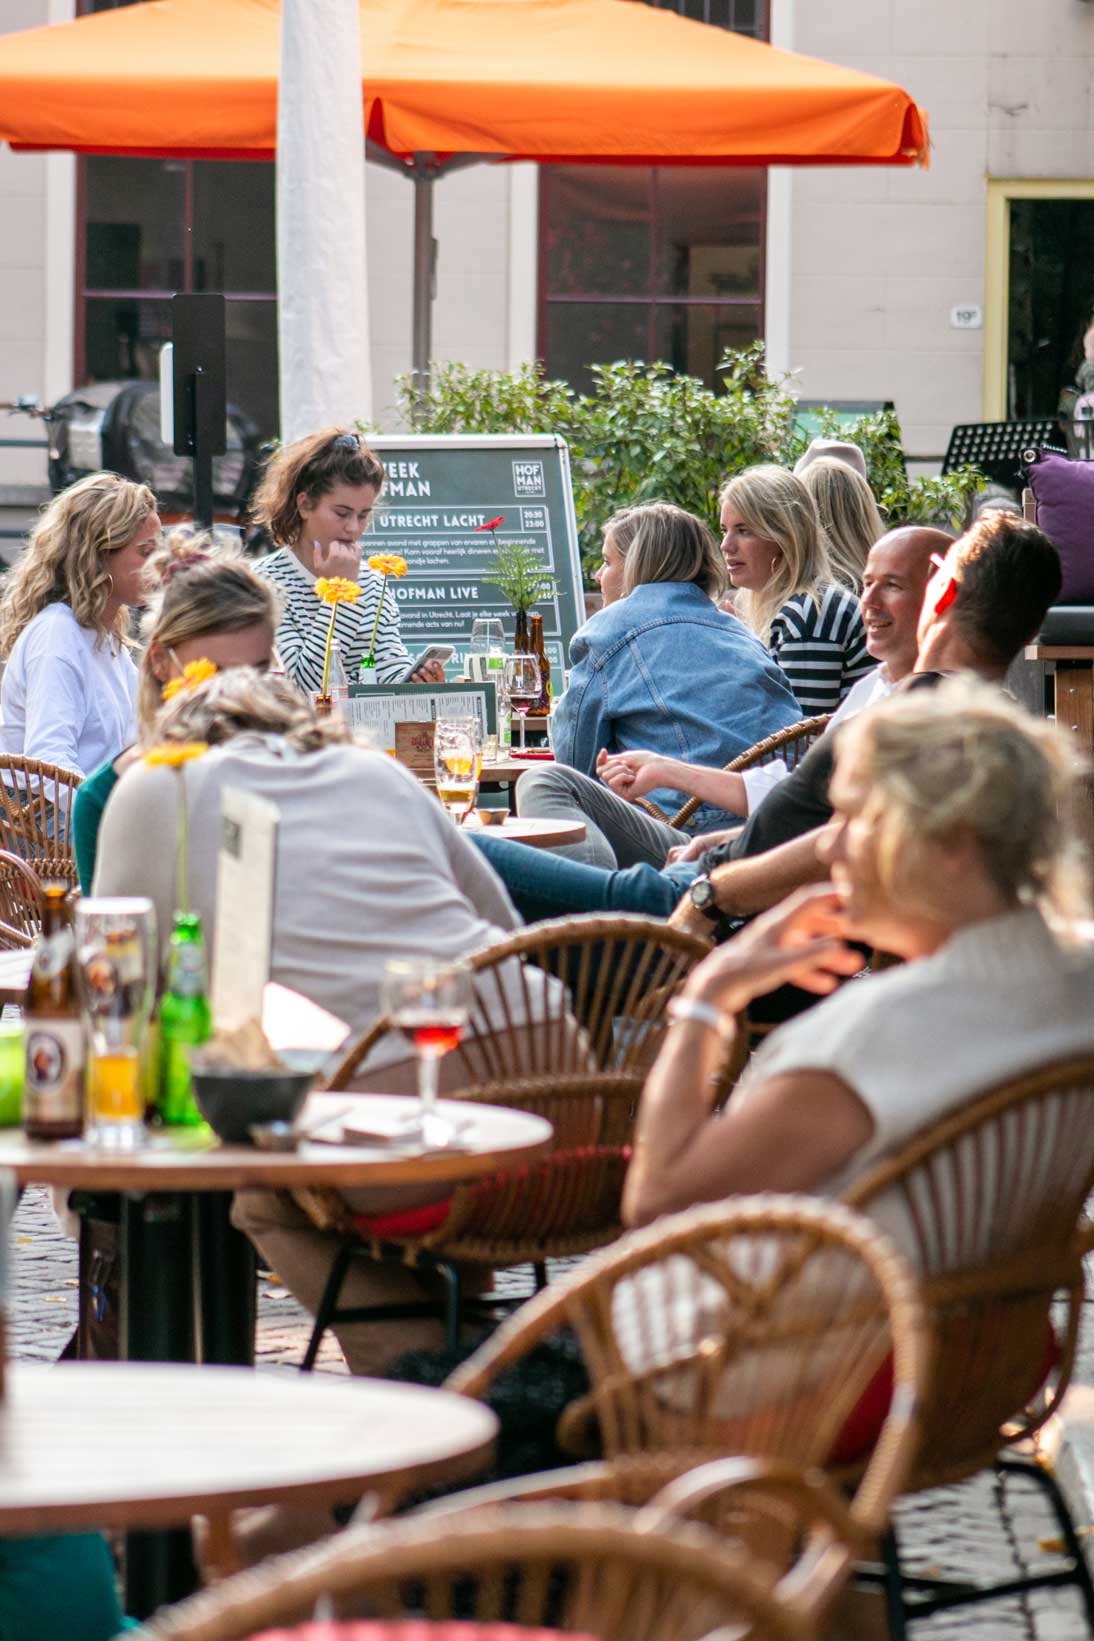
x: 661, y: 667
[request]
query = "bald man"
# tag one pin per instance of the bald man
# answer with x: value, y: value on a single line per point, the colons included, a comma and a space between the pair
x: 544, y: 885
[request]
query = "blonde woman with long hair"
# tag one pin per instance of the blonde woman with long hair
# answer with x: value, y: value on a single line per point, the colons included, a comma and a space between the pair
x: 70, y: 685
x: 786, y: 590
x: 204, y: 602
x: 849, y: 516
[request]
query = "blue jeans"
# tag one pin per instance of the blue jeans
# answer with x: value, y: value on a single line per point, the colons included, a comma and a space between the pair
x: 542, y: 884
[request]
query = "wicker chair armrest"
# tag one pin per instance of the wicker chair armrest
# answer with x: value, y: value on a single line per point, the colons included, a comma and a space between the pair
x: 327, y: 1208
x: 810, y: 1493
x: 653, y: 810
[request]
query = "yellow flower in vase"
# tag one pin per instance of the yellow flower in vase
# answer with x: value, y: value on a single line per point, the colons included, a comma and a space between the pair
x: 194, y: 674
x: 336, y: 589
x: 333, y: 590
x: 172, y: 755
x: 384, y: 564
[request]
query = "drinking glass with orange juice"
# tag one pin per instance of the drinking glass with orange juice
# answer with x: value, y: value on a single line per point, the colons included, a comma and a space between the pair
x: 116, y: 959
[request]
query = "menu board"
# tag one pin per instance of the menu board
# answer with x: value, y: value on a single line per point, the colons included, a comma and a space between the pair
x: 440, y: 490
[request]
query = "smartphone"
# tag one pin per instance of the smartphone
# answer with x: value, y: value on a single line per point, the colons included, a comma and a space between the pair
x: 432, y: 652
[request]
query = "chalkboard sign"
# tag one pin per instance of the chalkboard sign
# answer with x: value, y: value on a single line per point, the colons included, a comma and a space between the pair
x: 439, y: 490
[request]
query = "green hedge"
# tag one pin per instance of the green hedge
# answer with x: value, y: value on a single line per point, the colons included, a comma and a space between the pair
x: 646, y: 433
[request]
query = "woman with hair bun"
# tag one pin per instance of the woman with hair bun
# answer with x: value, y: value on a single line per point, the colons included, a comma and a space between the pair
x: 70, y: 685
x: 204, y: 602
x: 316, y: 499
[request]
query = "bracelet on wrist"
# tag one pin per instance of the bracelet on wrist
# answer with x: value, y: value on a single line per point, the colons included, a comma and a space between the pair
x: 702, y: 1014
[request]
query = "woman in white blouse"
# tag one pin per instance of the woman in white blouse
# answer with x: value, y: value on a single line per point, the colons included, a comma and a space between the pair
x: 70, y: 685
x: 316, y: 499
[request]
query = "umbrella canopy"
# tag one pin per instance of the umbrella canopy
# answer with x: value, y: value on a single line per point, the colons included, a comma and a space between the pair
x: 606, y: 80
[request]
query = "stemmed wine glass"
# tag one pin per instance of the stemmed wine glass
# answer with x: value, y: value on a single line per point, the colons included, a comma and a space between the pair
x: 522, y: 686
x: 430, y: 1003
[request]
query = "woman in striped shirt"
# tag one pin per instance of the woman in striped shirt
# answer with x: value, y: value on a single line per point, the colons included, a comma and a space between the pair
x: 778, y: 562
x: 316, y: 498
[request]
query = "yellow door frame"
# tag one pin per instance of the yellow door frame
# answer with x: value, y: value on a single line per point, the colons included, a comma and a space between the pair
x: 1001, y: 190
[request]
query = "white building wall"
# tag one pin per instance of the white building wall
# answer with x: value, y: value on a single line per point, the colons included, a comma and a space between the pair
x: 879, y: 257
x: 37, y: 286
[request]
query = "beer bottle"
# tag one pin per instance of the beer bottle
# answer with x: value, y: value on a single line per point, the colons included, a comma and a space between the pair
x: 53, y: 1084
x: 185, y: 1020
x: 538, y: 649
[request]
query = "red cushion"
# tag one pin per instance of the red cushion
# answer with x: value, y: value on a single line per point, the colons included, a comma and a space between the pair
x: 405, y: 1221
x: 862, y: 1427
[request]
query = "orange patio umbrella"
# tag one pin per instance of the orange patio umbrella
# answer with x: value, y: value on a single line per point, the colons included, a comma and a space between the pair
x: 448, y: 81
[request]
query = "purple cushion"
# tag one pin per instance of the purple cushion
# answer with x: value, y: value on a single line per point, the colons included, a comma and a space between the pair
x: 1065, y: 512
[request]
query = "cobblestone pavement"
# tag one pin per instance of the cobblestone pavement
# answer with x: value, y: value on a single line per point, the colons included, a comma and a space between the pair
x: 954, y: 1530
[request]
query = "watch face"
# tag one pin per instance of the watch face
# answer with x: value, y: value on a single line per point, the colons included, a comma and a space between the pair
x: 702, y: 894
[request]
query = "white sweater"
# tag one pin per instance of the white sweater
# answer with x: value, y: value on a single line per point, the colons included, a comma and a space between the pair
x: 305, y: 622
x: 368, y: 864
x: 69, y: 694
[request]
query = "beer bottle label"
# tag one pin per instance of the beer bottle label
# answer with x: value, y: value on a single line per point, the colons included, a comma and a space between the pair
x: 52, y: 954
x: 54, y: 1086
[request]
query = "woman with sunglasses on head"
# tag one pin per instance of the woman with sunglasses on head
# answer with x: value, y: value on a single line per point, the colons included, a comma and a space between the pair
x: 316, y: 499
x: 69, y: 691
x: 203, y: 602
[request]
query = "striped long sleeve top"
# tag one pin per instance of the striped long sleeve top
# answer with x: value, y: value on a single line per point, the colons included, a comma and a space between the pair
x: 302, y: 635
x: 821, y: 647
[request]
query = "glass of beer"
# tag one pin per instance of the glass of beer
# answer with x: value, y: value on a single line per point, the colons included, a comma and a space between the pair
x: 117, y: 959
x: 457, y: 761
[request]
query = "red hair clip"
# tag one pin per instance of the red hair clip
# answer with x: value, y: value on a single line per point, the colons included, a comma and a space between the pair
x: 949, y: 592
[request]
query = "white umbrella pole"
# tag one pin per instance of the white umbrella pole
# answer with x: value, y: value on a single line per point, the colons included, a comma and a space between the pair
x: 322, y: 284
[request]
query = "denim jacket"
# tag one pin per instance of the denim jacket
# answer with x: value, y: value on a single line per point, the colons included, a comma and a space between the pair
x: 664, y: 670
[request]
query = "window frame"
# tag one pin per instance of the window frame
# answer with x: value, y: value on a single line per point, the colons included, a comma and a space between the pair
x: 651, y: 298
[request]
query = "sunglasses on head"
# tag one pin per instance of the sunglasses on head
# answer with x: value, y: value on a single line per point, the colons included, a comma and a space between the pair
x: 346, y: 441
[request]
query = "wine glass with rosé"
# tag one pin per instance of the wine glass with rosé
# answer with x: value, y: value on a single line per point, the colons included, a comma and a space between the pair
x: 430, y: 1003
x: 522, y: 686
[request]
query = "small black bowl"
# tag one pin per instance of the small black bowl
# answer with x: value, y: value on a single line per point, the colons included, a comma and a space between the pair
x: 231, y: 1100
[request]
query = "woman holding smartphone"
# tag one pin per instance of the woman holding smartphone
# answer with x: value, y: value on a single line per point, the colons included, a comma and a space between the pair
x: 316, y: 499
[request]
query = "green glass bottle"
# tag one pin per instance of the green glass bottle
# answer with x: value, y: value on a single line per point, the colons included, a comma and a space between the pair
x: 185, y: 1019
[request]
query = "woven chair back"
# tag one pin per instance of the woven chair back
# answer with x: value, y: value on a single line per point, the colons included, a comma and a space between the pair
x: 789, y: 745
x: 569, y: 1017
x: 589, y: 1570
x: 758, y: 1329
x: 989, y: 1204
x: 36, y: 815
x: 21, y: 902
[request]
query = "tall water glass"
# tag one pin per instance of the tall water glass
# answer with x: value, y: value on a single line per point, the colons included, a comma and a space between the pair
x: 117, y: 958
x: 430, y: 1003
x: 487, y: 636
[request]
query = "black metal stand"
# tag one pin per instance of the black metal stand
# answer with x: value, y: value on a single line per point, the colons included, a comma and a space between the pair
x: 187, y: 1294
x: 224, y: 1271
x: 909, y: 1596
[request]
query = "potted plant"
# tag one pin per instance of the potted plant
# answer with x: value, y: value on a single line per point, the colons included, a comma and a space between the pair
x: 521, y: 576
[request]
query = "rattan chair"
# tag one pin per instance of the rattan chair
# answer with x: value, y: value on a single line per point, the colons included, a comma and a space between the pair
x: 595, y: 1570
x: 769, y: 1330
x: 581, y: 1064
x: 21, y: 902
x: 991, y: 1201
x: 36, y: 815
x: 790, y: 745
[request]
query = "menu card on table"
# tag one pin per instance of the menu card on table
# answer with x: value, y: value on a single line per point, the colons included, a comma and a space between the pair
x: 246, y: 869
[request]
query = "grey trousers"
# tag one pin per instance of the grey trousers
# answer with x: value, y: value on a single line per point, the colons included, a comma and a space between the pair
x: 617, y: 833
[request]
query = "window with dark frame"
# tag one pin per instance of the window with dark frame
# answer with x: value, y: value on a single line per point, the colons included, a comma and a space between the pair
x: 662, y: 263
x: 149, y: 228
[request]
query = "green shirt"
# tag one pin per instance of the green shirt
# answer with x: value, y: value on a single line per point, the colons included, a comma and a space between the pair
x: 87, y: 812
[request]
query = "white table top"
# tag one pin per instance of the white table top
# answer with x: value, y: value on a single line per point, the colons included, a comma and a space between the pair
x: 180, y: 1159
x: 109, y: 1444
